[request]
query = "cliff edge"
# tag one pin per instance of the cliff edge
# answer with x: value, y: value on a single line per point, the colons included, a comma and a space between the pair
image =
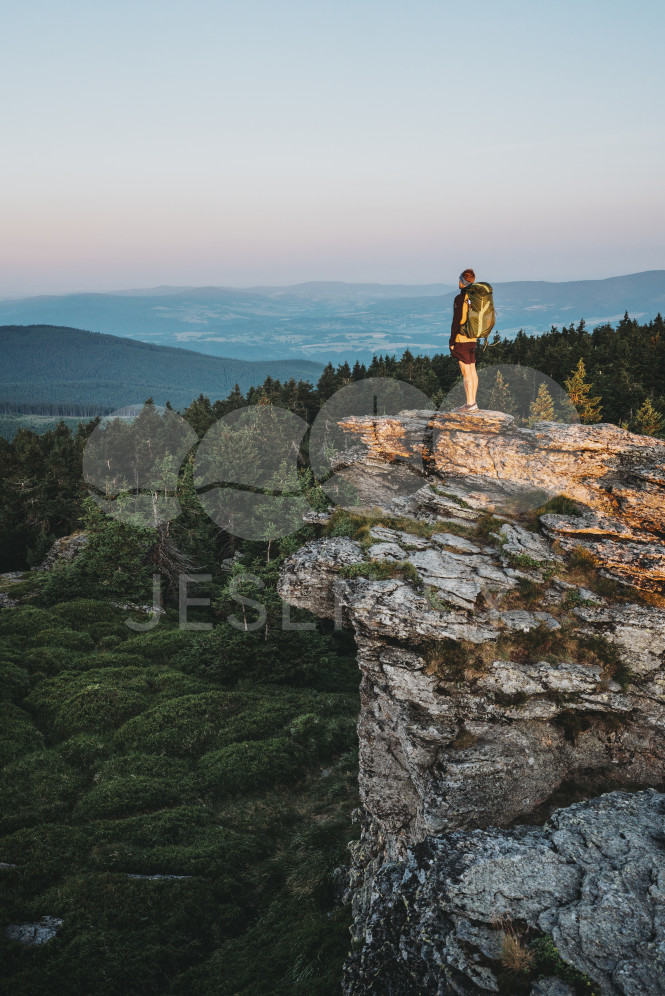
x: 505, y: 587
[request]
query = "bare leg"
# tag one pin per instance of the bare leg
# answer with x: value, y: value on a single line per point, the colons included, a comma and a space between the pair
x: 474, y: 382
x: 470, y: 377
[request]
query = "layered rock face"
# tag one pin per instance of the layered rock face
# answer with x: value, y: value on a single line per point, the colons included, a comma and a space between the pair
x: 618, y: 477
x: 450, y: 741
x: 498, y: 678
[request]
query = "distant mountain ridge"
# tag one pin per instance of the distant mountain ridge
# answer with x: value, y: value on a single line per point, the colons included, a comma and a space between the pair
x: 642, y: 295
x: 333, y: 321
x: 65, y: 366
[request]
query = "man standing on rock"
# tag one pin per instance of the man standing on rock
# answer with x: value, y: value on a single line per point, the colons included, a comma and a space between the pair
x: 462, y: 347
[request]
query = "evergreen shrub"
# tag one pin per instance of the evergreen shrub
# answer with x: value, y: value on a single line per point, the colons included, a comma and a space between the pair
x: 18, y: 733
x: 247, y: 766
x: 38, y: 787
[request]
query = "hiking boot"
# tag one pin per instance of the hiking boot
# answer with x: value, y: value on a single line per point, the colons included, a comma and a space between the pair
x: 471, y: 408
x: 462, y: 408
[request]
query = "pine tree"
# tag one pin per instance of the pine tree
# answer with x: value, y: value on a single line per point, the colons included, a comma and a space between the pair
x: 648, y: 420
x: 500, y: 398
x: 542, y: 409
x: 406, y: 366
x: 588, y: 409
x: 343, y: 374
x: 236, y: 399
x: 327, y: 382
x: 199, y: 414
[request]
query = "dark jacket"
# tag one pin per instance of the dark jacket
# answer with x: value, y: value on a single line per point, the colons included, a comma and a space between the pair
x: 458, y: 306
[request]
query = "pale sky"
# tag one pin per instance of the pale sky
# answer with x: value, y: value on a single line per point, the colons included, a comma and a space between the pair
x: 158, y: 142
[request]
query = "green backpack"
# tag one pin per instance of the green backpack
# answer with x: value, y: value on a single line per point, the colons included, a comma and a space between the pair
x: 481, y: 318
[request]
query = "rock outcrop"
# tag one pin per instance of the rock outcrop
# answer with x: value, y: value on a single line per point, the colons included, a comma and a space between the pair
x: 63, y: 550
x: 617, y: 476
x: 593, y: 879
x: 500, y: 677
x: 34, y: 934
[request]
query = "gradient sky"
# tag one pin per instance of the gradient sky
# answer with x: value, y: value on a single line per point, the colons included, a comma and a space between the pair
x: 156, y: 142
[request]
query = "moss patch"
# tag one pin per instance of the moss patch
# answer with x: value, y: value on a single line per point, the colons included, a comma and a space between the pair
x: 384, y: 570
x: 357, y: 525
x: 485, y: 526
x: 455, y: 499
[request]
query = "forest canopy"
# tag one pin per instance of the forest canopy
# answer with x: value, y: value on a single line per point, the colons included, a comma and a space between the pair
x: 614, y: 375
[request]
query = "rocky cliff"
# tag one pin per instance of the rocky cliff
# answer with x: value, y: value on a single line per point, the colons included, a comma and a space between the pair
x: 505, y: 587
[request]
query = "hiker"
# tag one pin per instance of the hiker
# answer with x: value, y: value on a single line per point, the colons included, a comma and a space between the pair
x: 462, y: 347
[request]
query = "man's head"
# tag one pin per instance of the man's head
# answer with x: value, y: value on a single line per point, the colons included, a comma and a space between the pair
x: 466, y: 278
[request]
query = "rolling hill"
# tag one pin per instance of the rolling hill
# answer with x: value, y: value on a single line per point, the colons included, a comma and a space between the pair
x: 70, y: 367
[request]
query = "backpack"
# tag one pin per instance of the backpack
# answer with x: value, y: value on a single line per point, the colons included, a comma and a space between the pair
x: 481, y: 317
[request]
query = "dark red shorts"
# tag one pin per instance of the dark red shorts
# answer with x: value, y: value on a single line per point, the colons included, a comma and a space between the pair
x: 465, y: 352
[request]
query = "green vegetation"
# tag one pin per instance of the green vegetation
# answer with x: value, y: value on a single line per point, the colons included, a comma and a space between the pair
x: 597, y: 649
x: 648, y: 421
x: 10, y: 425
x: 530, y: 592
x: 226, y: 758
x: 43, y: 491
x: 561, y: 645
x: 122, y: 763
x: 548, y: 961
x: 573, y: 598
x: 542, y: 408
x: 559, y: 505
x: 382, y: 570
x: 487, y: 528
x: 451, y: 497
x: 583, y: 569
x: 523, y: 560
x: 588, y: 408
x: 357, y: 525
x: 435, y: 601
x: 500, y: 398
x: 534, y: 644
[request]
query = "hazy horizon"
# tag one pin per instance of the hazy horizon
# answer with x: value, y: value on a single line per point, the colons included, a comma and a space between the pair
x: 167, y: 288
x: 261, y: 144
